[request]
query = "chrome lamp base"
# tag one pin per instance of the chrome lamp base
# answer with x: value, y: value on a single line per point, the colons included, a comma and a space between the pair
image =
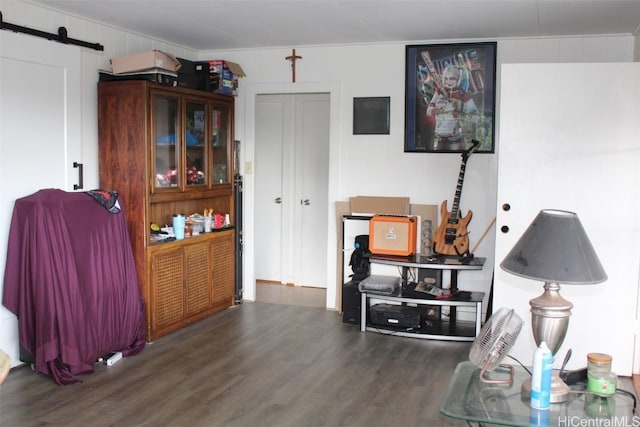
x: 550, y: 320
x: 559, y: 390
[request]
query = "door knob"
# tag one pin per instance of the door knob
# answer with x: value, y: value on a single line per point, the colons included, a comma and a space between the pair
x: 277, y: 200
x: 305, y: 202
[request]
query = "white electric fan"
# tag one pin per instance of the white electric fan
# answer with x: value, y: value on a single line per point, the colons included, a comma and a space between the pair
x: 496, y: 338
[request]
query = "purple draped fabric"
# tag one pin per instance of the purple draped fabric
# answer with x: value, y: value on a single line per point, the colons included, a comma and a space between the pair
x: 70, y: 279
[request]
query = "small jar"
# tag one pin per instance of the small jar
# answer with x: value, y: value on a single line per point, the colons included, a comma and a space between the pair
x: 600, y: 380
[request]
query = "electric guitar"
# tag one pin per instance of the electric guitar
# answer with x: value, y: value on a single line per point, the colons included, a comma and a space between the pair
x: 451, y: 237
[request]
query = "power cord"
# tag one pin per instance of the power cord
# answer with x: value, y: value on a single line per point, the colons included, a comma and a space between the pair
x: 409, y: 276
x: 631, y: 395
x: 519, y: 363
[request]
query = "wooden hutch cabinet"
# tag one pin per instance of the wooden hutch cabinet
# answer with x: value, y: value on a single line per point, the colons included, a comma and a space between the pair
x: 169, y: 150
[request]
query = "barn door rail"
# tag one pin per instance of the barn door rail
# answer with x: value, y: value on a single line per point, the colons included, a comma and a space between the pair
x: 61, y: 36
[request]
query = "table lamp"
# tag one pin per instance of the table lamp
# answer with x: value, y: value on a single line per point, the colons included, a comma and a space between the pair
x: 554, y: 249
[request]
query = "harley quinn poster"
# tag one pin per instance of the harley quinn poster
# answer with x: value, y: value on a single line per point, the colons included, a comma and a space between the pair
x: 450, y: 97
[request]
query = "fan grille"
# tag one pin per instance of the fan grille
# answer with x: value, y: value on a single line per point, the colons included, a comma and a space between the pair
x: 496, y: 338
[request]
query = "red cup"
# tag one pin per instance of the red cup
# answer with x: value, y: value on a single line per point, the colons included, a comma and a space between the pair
x: 218, y: 220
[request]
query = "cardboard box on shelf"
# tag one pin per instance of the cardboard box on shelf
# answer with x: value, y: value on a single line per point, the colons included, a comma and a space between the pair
x: 223, y: 76
x: 379, y: 205
x: 144, y: 61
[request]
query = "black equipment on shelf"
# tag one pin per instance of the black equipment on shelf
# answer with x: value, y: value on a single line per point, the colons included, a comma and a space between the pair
x: 361, y: 268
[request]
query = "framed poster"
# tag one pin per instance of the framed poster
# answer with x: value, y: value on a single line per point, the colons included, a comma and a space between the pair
x: 371, y: 115
x: 450, y: 97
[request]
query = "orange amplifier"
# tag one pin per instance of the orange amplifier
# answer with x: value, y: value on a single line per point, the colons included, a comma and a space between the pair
x: 393, y: 234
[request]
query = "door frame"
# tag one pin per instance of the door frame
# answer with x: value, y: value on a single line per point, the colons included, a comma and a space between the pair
x: 295, y: 147
x: 247, y: 160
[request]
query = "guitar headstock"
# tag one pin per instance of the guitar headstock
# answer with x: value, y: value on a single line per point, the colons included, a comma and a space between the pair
x: 469, y: 151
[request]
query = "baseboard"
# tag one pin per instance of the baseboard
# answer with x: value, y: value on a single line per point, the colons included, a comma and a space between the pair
x: 267, y: 282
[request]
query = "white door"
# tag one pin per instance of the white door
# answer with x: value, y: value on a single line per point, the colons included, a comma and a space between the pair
x: 568, y: 142
x: 39, y: 132
x: 292, y: 190
x: 271, y: 135
x: 311, y: 186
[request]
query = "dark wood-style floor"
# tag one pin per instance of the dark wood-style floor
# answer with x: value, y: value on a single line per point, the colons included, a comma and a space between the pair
x: 291, y: 295
x: 257, y: 364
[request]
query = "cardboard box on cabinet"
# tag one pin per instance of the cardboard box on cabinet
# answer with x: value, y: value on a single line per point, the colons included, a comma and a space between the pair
x: 145, y: 61
x: 222, y: 76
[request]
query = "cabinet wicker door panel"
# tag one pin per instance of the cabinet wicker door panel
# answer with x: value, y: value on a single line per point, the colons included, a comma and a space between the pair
x: 168, y: 291
x: 197, y: 278
x: 222, y: 280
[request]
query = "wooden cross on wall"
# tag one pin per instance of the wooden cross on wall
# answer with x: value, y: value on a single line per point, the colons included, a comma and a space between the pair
x: 293, y: 58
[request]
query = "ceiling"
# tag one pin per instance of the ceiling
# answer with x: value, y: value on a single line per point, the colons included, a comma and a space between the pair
x: 239, y: 24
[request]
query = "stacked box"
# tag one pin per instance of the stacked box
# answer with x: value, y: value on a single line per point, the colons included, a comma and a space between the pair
x: 187, y: 74
x: 222, y: 76
x: 202, y: 75
x: 152, y: 59
x: 157, y: 75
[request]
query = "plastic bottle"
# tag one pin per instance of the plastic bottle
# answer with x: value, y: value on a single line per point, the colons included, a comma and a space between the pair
x: 179, y: 222
x: 541, y: 377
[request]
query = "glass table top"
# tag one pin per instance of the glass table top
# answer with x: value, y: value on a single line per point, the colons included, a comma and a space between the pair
x: 469, y: 399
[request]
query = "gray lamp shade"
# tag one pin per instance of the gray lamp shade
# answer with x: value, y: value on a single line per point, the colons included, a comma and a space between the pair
x: 555, y: 248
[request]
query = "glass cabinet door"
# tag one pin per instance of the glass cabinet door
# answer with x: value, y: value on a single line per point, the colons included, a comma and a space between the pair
x: 220, y: 145
x: 195, y: 132
x: 165, y: 127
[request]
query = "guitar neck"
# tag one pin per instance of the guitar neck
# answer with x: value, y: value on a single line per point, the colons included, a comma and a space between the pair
x: 453, y: 218
x: 456, y: 199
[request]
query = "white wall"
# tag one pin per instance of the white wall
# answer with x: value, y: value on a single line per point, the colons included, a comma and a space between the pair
x: 376, y: 164
x: 361, y: 164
